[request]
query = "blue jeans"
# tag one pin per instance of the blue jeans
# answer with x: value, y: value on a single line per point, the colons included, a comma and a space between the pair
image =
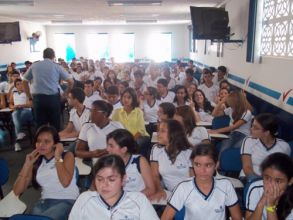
x: 20, y: 117
x: 234, y: 141
x: 57, y: 209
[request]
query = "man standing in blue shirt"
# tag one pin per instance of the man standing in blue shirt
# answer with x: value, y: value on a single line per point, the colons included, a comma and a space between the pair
x: 45, y: 89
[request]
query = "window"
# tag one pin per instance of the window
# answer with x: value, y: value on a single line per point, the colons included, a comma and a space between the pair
x: 98, y: 46
x: 65, y: 46
x: 122, y: 47
x: 277, y: 28
x: 159, y: 47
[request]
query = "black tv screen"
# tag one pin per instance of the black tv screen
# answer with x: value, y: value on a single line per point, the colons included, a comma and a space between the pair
x: 9, y: 32
x: 209, y: 23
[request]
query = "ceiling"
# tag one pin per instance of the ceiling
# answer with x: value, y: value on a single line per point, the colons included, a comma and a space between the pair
x: 99, y: 12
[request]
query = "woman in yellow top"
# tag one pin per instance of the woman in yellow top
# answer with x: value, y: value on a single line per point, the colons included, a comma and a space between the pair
x: 131, y: 117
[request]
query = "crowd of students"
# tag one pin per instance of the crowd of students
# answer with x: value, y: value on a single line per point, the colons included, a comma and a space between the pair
x: 116, y: 109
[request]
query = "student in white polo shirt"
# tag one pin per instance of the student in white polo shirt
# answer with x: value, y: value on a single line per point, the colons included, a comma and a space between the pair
x: 79, y: 114
x: 260, y: 144
x: 90, y: 94
x: 150, y: 108
x: 240, y: 112
x: 271, y: 198
x: 162, y: 87
x: 195, y: 134
x: 170, y: 158
x: 138, y: 171
x: 49, y: 168
x: 203, y: 196
x: 109, y: 201
x: 210, y: 90
x: 91, y: 142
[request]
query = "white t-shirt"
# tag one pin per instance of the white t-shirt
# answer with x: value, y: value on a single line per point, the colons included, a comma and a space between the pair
x: 149, y: 82
x: 259, y: 151
x: 198, y: 135
x: 200, y: 206
x: 172, y: 174
x: 130, y: 206
x: 247, y: 117
x: 181, y: 78
x: 95, y: 136
x: 168, y: 98
x: 150, y: 113
x: 47, y: 178
x: 19, y: 98
x: 88, y: 101
x: 134, y: 181
x: 79, y: 120
x: 210, y: 92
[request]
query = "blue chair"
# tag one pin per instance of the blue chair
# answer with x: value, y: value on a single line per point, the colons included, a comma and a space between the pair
x: 230, y: 161
x: 220, y: 122
x: 245, y: 190
x: 4, y: 174
x: 29, y: 217
x: 180, y: 215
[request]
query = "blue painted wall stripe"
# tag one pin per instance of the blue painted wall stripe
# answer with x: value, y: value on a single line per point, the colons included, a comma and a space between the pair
x: 290, y: 101
x: 236, y: 78
x: 267, y: 91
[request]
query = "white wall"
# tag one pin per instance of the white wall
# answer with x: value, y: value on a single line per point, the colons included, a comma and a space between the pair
x: 142, y: 32
x: 273, y: 73
x: 20, y: 51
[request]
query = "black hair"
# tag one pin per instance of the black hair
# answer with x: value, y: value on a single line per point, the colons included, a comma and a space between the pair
x: 224, y: 81
x: 205, y: 149
x: 124, y: 83
x: 103, y: 106
x: 189, y: 71
x: 138, y: 73
x: 89, y: 82
x: 56, y: 139
x: 112, y: 90
x: 78, y: 93
x: 163, y: 82
x: 113, y: 161
x: 17, y: 80
x: 178, y: 87
x: 168, y: 109
x: 153, y: 92
x: 177, y: 139
x: 133, y: 95
x: 124, y: 139
x: 206, y: 71
x: 98, y: 78
x: 49, y: 53
x: 285, y: 203
x: 268, y: 122
x: 207, y: 106
x: 280, y: 162
x: 212, y: 69
x: 222, y: 69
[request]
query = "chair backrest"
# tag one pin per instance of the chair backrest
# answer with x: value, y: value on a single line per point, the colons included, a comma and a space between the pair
x: 230, y: 160
x: 29, y: 217
x: 220, y: 122
x: 245, y: 190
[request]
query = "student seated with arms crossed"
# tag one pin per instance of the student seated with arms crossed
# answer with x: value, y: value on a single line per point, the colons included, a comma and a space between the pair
x: 170, y: 162
x: 53, y: 170
x: 79, y: 114
x: 203, y: 196
x: 271, y: 198
x: 109, y: 200
x: 91, y: 143
x: 138, y: 170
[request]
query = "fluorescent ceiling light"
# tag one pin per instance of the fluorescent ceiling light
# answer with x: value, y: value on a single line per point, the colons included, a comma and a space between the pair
x: 17, y: 2
x: 66, y: 21
x: 134, y: 2
x: 142, y: 21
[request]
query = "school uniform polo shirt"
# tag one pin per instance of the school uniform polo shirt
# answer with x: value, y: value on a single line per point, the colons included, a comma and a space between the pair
x: 200, y: 206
